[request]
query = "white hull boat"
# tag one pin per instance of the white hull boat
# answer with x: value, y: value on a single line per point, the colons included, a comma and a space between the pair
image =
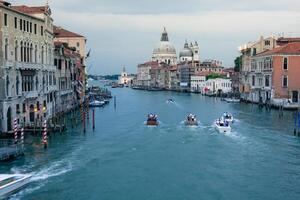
x: 228, y: 118
x: 10, y: 183
x: 232, y: 100
x: 97, y: 103
x: 222, y: 128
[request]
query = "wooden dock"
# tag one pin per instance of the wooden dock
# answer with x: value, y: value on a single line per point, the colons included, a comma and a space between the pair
x: 9, y: 150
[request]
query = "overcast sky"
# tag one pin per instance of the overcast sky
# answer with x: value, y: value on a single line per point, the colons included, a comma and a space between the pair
x: 124, y: 32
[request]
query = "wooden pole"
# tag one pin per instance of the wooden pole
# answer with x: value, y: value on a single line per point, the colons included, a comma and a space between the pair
x: 16, y: 130
x: 93, y: 119
x: 45, y: 135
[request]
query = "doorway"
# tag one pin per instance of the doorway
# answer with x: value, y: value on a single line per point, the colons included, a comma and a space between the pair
x: 8, y: 117
x: 295, y: 96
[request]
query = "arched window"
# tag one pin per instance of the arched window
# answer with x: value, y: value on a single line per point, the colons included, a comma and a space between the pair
x: 6, y: 49
x: 42, y: 54
x: 24, y: 52
x: 21, y: 51
x: 35, y: 53
x: 37, y: 83
x: 7, y: 86
x: 16, y: 51
x: 30, y: 54
x: 17, y: 84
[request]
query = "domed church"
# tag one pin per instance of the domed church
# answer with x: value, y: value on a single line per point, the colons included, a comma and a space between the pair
x: 164, y: 51
x: 189, y: 53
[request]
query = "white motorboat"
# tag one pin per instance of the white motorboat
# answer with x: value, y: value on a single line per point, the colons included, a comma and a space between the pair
x: 228, y: 117
x: 232, y: 100
x: 96, y: 103
x: 222, y: 126
x: 10, y: 183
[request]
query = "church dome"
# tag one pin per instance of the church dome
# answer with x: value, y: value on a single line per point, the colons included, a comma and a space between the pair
x: 164, y: 47
x: 186, y: 51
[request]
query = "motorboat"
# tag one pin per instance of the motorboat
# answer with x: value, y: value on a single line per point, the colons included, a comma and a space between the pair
x: 170, y: 101
x: 152, y: 120
x: 191, y: 120
x: 10, y: 183
x: 222, y: 126
x: 232, y: 100
x: 106, y: 101
x: 228, y: 117
x: 97, y: 103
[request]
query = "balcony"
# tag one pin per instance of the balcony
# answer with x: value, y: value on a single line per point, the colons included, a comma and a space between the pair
x: 28, y: 66
x: 31, y: 94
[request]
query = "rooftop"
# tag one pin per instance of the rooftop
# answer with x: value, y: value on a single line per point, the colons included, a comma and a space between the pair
x: 60, y: 32
x: 290, y: 48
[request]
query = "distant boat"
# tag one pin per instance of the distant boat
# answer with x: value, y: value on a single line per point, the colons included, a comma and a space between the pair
x: 170, y: 101
x: 152, y: 120
x: 10, y: 183
x: 191, y: 120
x: 154, y: 89
x: 232, y: 100
x: 97, y: 103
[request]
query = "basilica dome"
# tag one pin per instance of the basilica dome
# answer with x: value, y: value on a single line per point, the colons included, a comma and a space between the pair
x: 164, y: 47
x: 186, y: 51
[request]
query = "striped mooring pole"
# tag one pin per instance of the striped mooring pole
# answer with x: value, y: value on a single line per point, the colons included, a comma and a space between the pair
x: 16, y: 130
x: 22, y: 137
x: 45, y: 134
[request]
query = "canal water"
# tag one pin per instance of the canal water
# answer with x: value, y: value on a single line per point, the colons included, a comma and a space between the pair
x: 124, y: 159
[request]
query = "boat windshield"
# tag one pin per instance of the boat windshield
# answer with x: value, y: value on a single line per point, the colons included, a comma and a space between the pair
x: 8, y: 180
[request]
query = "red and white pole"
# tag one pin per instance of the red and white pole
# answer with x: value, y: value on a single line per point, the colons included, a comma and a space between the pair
x: 16, y: 130
x: 22, y: 137
x: 45, y: 134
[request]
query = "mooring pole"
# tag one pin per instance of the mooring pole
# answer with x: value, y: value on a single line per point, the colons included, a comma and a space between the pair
x: 93, y: 119
x: 16, y: 130
x: 295, y: 123
x: 115, y: 102
x: 298, y: 123
x: 84, y: 129
x: 22, y: 138
x: 45, y: 135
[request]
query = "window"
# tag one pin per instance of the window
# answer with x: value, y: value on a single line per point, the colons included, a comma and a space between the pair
x: 30, y: 27
x: 42, y: 30
x: 6, y: 49
x: 24, y: 25
x: 5, y: 19
x: 16, y: 51
x: 253, y: 80
x: 24, y: 108
x: 267, y: 43
x: 285, y: 63
x: 285, y: 81
x: 7, y: 86
x: 254, y: 52
x: 78, y: 44
x: 21, y: 24
x: 16, y: 22
x: 267, y: 81
x: 17, y: 108
x: 27, y: 26
x: 35, y: 28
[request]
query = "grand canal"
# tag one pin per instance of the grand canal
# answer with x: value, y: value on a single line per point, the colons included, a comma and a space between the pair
x: 124, y: 159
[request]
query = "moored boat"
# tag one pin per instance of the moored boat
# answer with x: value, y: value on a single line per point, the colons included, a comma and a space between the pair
x: 222, y: 126
x: 152, y: 120
x: 232, y: 100
x: 191, y: 120
x: 10, y: 183
x: 96, y: 103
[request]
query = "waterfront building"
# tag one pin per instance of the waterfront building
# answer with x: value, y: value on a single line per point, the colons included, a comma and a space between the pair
x: 159, y: 76
x: 275, y: 75
x: 66, y: 63
x: 210, y: 66
x: 173, y: 82
x: 217, y: 86
x: 164, y: 52
x: 198, y: 82
x: 28, y: 82
x: 185, y: 70
x: 247, y: 51
x: 125, y: 78
x: 143, y: 73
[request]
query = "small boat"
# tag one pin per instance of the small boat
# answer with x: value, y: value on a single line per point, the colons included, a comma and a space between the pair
x: 170, y: 101
x: 97, y: 103
x: 152, y: 120
x: 10, y: 183
x: 106, y: 101
x: 232, y: 100
x: 191, y: 120
x: 222, y: 126
x: 228, y: 117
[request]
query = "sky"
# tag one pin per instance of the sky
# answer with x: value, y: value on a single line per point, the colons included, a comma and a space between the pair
x: 124, y: 32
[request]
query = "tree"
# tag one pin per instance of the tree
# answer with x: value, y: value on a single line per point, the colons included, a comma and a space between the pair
x: 238, y: 64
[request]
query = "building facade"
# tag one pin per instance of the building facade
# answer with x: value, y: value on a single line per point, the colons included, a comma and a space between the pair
x: 28, y: 83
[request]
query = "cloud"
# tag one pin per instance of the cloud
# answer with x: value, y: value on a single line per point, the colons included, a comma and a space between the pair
x: 124, y: 32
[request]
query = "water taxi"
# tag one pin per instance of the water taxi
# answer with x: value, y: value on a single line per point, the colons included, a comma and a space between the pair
x: 222, y: 126
x: 152, y: 120
x: 170, y: 101
x: 191, y: 120
x: 10, y: 183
